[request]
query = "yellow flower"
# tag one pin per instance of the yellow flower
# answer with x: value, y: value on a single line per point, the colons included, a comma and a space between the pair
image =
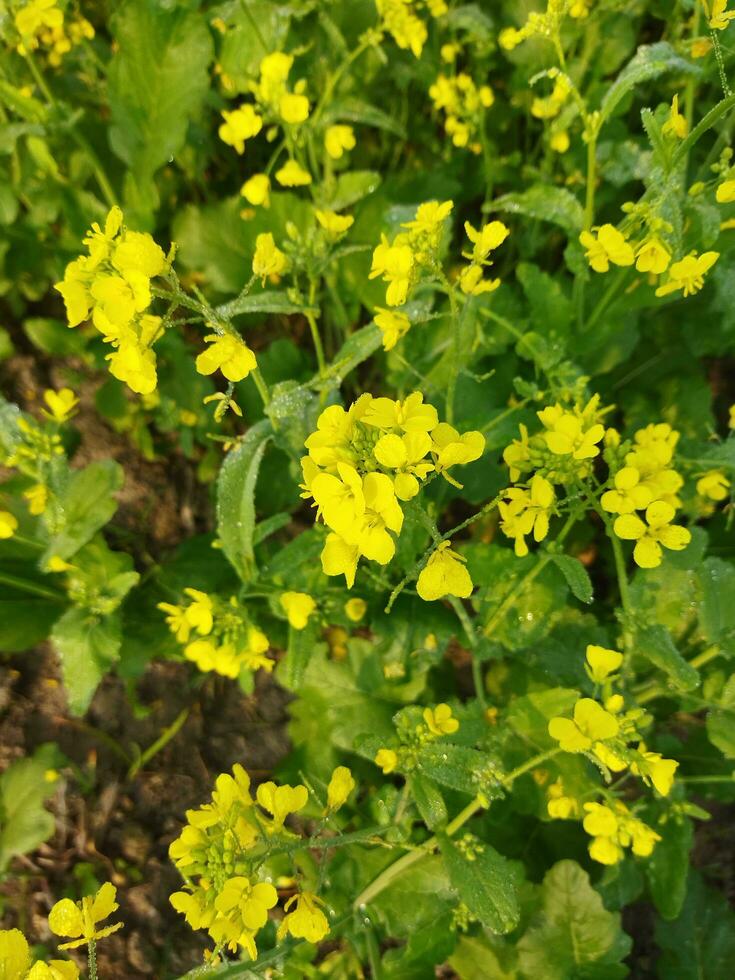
x: 718, y: 15
x: 240, y: 125
x: 560, y: 141
x: 725, y: 193
x: 268, y: 259
x: 136, y: 366
x: 334, y: 224
x: 444, y: 574
x: 688, y: 274
x: 307, y: 921
x: 629, y: 493
x: 473, y: 283
x: 274, y: 70
x: 676, y: 125
x: 337, y: 139
x: 701, y: 47
x: 228, y: 353
x: 15, y: 955
x: 568, y: 435
x: 602, y: 662
x: 731, y: 417
x: 31, y: 19
x: 245, y: 906
x: 340, y: 557
x: 355, y: 609
x: 298, y: 606
x: 450, y: 448
x: 293, y: 175
x: 256, y: 190
x: 393, y: 325
x: 294, y: 109
x: 713, y: 485
x: 395, y: 263
x: 280, y: 801
x: 652, y: 256
x: 387, y: 760
x: 61, y: 404
x: 487, y: 239
x: 609, y: 246
x: 653, y: 768
x: 429, y: 217
x: 410, y: 415
x: 405, y: 27
x: 340, y: 786
x: 560, y: 806
x: 79, y: 919
x: 37, y: 497
x: 524, y: 511
x: 406, y: 455
x: 440, y: 721
x: 8, y: 524
x: 657, y: 530
x: 591, y: 723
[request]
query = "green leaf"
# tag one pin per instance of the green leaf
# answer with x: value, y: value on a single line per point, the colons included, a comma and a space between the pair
x: 474, y: 957
x: 24, y: 821
x: 25, y: 620
x: 269, y: 301
x: 456, y: 766
x: 656, y: 645
x: 717, y: 610
x: 576, y: 575
x: 721, y: 721
x: 236, y: 498
x: 157, y: 82
x: 573, y: 935
x: 487, y: 883
x: 357, y: 111
x: 545, y: 203
x: 649, y: 61
x: 356, y: 349
x: 88, y: 645
x: 700, y: 943
x: 86, y: 505
x: 429, y: 801
x: 668, y: 866
x: 53, y: 337
x: 301, y: 645
x: 352, y: 187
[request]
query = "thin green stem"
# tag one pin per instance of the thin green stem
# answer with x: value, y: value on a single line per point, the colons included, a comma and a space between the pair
x: 92, y: 959
x: 335, y: 78
x: 262, y: 387
x: 33, y: 588
x: 160, y: 743
x: 315, y: 335
x: 469, y: 629
x: 456, y: 323
x: 589, y: 210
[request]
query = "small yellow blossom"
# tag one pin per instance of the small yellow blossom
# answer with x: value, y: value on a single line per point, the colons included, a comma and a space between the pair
x: 652, y: 256
x: 334, y: 224
x: 387, y: 760
x: 602, y: 662
x: 340, y: 786
x: 725, y: 193
x: 688, y: 274
x: 60, y: 404
x: 395, y: 263
x: 393, y: 325
x: 591, y: 723
x: 444, y: 574
x: 713, y: 485
x: 268, y: 259
x: 78, y: 920
x: 338, y: 139
x: 355, y: 609
x: 307, y: 921
x: 630, y: 493
x: 240, y: 125
x: 609, y: 246
x: 291, y: 174
x: 8, y: 524
x: 229, y: 354
x: 294, y: 108
x: 718, y: 16
x: 650, y: 534
x: 280, y: 801
x: 298, y: 606
x: 37, y: 497
x: 440, y: 721
x: 15, y: 961
x: 676, y: 125
x: 559, y: 805
x: 256, y: 190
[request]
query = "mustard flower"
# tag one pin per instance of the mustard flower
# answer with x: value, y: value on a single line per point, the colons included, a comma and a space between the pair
x: 651, y: 534
x: 407, y: 30
x: 654, y: 769
x: 307, y: 921
x: 525, y: 511
x: 8, y: 524
x: 409, y: 415
x: 291, y: 174
x: 568, y: 434
x: 486, y: 239
x: 725, y: 193
x: 280, y: 802
x: 601, y: 662
x: 60, y: 404
x: 714, y: 485
x: 135, y: 366
x: 473, y: 283
x: 256, y: 190
x: 393, y: 325
x: 688, y: 274
x: 676, y: 125
x: 609, y: 246
x: 592, y: 723
x: 355, y: 609
x: 37, y: 497
x: 395, y: 263
x: 559, y: 805
x: 229, y: 354
x: 268, y: 259
x: 79, y: 920
x: 652, y: 256
x: 338, y: 139
x: 440, y: 721
x: 15, y: 961
x: 629, y: 494
x: 718, y: 16
x: 240, y: 125
x: 334, y: 224
x: 298, y: 606
x: 341, y: 785
x: 294, y: 108
x: 405, y: 454
x: 387, y: 760
x: 444, y: 574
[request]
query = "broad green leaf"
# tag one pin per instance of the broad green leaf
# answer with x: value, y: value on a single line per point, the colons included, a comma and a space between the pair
x: 427, y: 882
x: 649, y: 61
x: 475, y: 957
x: 301, y: 645
x: 88, y: 646
x: 86, y: 505
x: 700, y: 943
x: 668, y: 866
x: 576, y: 575
x: 721, y: 721
x: 24, y: 821
x: 357, y: 111
x: 53, y: 337
x: 656, y: 645
x: 236, y: 498
x: 486, y: 882
x: 157, y: 82
x: 456, y: 766
x: 573, y: 935
x: 545, y: 203
x: 717, y: 610
x: 429, y: 801
x: 25, y: 620
x: 351, y: 187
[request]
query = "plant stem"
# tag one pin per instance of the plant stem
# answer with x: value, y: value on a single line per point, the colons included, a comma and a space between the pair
x: 31, y: 587
x: 315, y: 335
x: 589, y: 211
x: 262, y: 387
x: 477, y: 675
x: 456, y: 322
x: 92, y: 959
x: 394, y: 870
x: 160, y: 743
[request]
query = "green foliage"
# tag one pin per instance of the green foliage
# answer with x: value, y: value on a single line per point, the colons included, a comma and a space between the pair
x: 24, y: 788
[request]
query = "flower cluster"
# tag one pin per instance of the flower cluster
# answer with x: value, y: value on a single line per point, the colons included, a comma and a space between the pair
x: 648, y: 483
x: 398, y: 18
x: 546, y: 25
x: 612, y: 828
x: 16, y: 961
x: 112, y: 285
x: 217, y: 636
x: 221, y: 854
x: 484, y: 241
x: 608, y: 245
x: 363, y: 461
x: 413, y: 734
x: 463, y: 103
x: 41, y: 24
